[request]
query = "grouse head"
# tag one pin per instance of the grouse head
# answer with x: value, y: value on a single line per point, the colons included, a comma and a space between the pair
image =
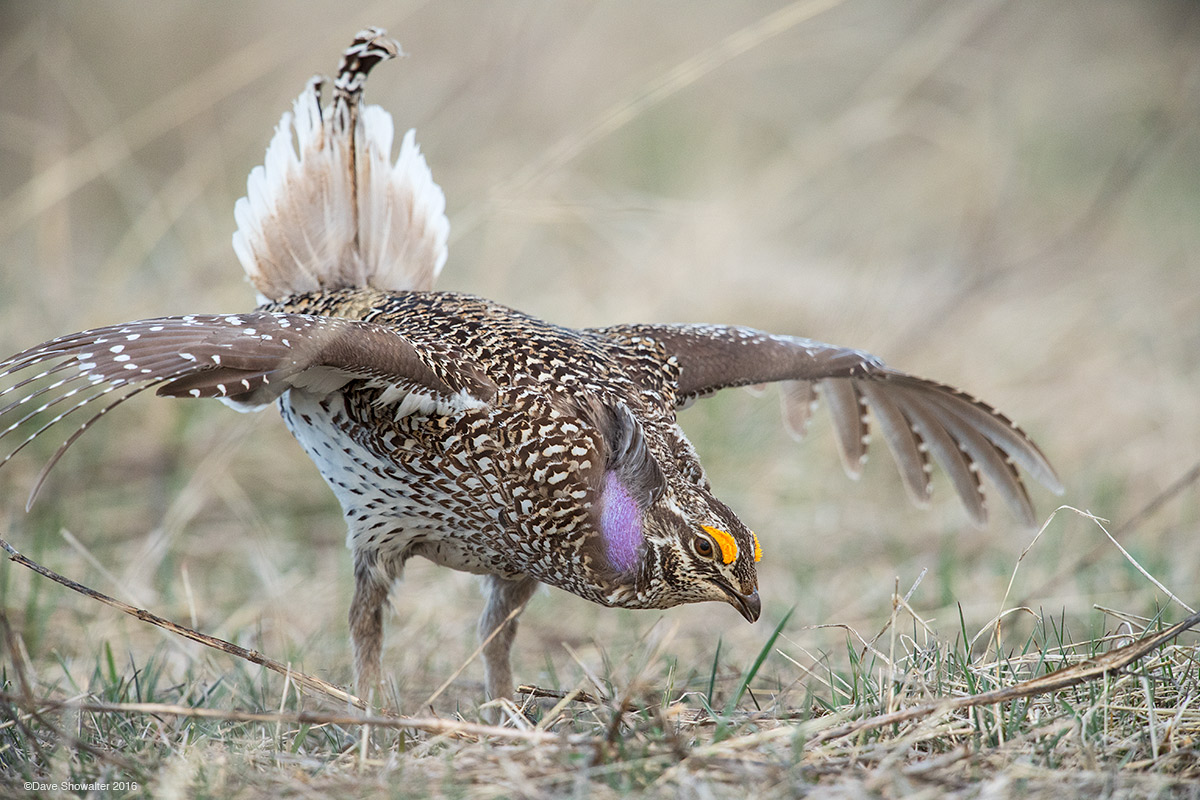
x: 660, y: 536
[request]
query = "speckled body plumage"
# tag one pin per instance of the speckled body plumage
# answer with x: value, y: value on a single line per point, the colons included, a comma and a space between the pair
x: 506, y: 488
x: 479, y: 437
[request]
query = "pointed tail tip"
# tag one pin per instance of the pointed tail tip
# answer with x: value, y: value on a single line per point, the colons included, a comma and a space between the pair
x: 370, y: 47
x: 377, y: 37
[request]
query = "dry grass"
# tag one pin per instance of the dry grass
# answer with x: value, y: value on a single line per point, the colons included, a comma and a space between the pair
x: 998, y: 194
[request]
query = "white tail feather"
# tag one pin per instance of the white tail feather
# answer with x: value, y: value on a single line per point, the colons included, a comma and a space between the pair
x: 330, y: 210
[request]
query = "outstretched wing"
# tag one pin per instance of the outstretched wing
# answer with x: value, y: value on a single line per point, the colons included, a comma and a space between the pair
x: 248, y: 360
x: 917, y: 417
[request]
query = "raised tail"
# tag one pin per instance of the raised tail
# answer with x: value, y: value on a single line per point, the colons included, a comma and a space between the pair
x: 329, y: 209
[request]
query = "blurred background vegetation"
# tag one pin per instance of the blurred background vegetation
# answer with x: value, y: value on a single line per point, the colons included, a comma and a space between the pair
x: 1000, y: 195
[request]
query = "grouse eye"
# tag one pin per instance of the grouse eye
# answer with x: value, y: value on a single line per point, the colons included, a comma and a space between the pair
x: 703, y: 546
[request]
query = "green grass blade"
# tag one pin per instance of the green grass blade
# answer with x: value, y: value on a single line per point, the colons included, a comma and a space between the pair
x: 712, y: 676
x: 758, y: 662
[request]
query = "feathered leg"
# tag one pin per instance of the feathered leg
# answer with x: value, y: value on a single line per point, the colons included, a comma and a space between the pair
x: 366, y: 628
x: 503, y: 597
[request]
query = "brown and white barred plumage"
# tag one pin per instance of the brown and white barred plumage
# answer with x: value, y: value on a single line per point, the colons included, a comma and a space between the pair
x: 481, y: 438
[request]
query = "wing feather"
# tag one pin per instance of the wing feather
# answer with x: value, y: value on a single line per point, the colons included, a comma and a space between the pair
x: 992, y: 463
x: 949, y: 453
x: 906, y: 445
x: 247, y: 359
x: 849, y: 422
x: 918, y: 418
x: 1000, y: 430
x: 798, y: 401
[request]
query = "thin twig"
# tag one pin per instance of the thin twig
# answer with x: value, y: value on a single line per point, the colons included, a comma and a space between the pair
x: 1189, y: 478
x: 576, y: 695
x: 454, y: 675
x: 897, y: 604
x: 425, y: 724
x: 1129, y: 557
x: 308, y: 681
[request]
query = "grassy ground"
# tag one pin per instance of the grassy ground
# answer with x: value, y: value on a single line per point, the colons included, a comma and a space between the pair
x: 1001, y: 195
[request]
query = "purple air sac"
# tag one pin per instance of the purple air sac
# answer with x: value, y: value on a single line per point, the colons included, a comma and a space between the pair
x: 620, y: 524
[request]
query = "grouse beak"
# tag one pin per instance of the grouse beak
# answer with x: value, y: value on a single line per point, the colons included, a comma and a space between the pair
x: 748, y: 604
